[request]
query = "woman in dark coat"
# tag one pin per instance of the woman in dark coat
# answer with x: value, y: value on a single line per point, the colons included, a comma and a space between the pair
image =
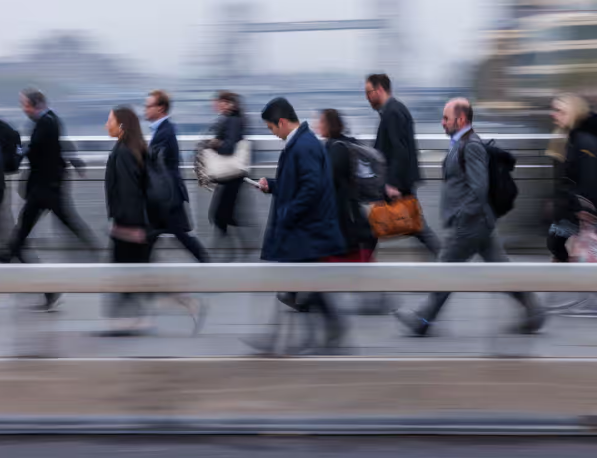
x: 575, y: 166
x: 228, y: 131
x: 351, y: 215
x: 126, y: 203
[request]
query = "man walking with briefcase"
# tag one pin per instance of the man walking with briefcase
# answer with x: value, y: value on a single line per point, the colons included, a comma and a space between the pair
x: 396, y: 140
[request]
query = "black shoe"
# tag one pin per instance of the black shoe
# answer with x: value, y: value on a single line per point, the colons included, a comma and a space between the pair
x: 416, y: 324
x: 290, y: 299
x: 263, y: 344
x: 533, y: 322
x: 125, y: 333
x: 50, y: 305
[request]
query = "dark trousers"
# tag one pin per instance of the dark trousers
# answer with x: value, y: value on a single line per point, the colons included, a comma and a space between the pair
x: 190, y: 242
x: 38, y: 201
x: 320, y: 301
x: 128, y: 305
x: 461, y: 245
x: 330, y: 316
x: 222, y: 209
x: 428, y: 238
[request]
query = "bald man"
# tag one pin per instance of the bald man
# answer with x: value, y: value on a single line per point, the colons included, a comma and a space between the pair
x: 467, y: 215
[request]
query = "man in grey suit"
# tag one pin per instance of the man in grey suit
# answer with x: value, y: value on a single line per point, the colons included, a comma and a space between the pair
x: 467, y: 215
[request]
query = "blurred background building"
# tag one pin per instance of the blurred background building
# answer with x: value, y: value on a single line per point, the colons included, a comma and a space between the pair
x: 509, y: 55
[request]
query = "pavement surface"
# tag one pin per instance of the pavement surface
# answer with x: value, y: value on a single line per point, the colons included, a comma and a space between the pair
x: 471, y: 325
x: 293, y: 447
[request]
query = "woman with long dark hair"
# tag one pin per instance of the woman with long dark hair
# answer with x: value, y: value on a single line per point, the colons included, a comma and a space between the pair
x: 126, y: 203
x: 228, y: 132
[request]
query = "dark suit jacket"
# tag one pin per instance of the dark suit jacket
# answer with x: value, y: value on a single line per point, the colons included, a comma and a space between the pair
x: 45, y: 154
x: 164, y: 139
x: 303, y: 224
x: 396, y: 140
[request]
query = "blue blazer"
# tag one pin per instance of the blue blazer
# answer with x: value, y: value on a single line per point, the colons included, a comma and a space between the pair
x: 303, y: 223
x: 165, y: 137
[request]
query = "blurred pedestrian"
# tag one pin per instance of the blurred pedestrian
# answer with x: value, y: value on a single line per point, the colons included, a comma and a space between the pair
x: 163, y: 141
x: 467, y: 214
x: 224, y: 210
x: 396, y: 140
x: 352, y: 217
x: 575, y: 167
x: 10, y: 151
x: 45, y: 184
x: 126, y: 204
x: 303, y: 223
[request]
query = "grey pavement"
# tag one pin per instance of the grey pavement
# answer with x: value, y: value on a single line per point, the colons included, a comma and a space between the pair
x: 295, y: 447
x: 472, y: 325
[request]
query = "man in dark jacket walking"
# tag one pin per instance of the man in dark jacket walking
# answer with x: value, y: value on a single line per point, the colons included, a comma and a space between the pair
x: 45, y: 190
x: 396, y: 140
x: 303, y: 224
x: 163, y: 141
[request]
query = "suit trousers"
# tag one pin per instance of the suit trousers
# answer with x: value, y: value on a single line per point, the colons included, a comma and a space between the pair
x: 38, y: 201
x: 464, y: 241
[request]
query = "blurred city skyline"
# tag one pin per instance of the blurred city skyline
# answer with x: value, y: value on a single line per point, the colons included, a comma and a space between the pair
x: 167, y: 41
x: 510, y: 56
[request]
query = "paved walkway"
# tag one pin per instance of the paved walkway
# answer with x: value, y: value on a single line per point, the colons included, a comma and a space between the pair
x: 473, y: 325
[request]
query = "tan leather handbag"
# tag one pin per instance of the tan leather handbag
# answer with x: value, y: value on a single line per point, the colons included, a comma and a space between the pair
x: 397, y: 218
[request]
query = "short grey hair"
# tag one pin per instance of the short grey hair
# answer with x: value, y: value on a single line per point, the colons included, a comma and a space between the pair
x: 36, y: 98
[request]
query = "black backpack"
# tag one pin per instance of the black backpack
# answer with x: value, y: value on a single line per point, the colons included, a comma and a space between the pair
x: 502, y: 187
x: 159, y: 188
x: 10, y: 144
x: 368, y: 168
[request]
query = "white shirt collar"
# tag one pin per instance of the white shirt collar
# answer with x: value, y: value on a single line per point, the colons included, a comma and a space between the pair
x: 290, y: 135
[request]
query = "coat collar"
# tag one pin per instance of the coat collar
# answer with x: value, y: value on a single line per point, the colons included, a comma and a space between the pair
x: 300, y: 131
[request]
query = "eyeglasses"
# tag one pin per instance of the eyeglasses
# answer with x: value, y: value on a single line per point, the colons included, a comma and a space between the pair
x: 151, y: 105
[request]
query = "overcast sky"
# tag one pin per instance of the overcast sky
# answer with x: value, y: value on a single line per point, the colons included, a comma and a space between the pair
x: 161, y: 34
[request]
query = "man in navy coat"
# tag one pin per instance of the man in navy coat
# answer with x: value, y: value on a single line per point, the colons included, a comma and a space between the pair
x: 163, y: 137
x: 303, y: 225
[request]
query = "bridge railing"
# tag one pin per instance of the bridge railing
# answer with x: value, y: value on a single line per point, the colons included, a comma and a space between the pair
x: 528, y: 148
x: 266, y: 277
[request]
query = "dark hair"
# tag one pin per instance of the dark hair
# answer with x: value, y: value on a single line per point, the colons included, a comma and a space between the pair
x: 465, y: 109
x: 279, y: 108
x: 35, y: 97
x: 162, y: 99
x: 380, y: 79
x: 232, y: 98
x: 132, y: 137
x: 334, y: 121
x: 236, y: 101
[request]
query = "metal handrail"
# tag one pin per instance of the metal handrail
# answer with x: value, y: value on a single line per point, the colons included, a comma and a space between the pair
x: 266, y: 277
x: 519, y: 142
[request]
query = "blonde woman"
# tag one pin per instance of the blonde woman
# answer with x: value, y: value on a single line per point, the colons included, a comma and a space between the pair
x: 575, y: 168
